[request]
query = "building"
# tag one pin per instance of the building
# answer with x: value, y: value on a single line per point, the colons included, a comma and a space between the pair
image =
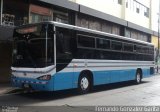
x: 131, y: 18
x: 130, y: 10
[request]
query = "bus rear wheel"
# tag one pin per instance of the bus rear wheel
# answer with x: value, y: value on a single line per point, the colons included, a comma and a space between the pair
x: 84, y: 84
x: 138, y: 79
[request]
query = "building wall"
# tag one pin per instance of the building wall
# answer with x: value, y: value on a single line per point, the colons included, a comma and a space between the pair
x: 107, y: 6
x: 155, y: 41
x: 154, y: 14
x: 125, y: 10
x: 138, y: 17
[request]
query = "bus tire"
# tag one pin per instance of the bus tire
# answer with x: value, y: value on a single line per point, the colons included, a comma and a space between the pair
x: 138, y: 79
x: 84, y: 83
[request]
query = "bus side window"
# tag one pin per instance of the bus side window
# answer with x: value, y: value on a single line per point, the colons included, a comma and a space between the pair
x: 135, y: 48
x: 59, y: 42
x: 73, y: 45
x: 63, y: 40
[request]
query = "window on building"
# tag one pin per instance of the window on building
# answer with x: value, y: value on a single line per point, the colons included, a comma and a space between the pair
x: 137, y: 10
x: 106, y: 27
x: 138, y: 5
x: 39, y: 14
x: 95, y: 25
x: 134, y: 35
x: 128, y: 33
x: 137, y: 35
x: 146, y: 12
x: 140, y: 36
x: 145, y: 38
x: 116, y: 29
x: 127, y: 4
x: 35, y: 18
x: 98, y: 24
x: 120, y: 2
x: 60, y: 16
x: 84, y: 23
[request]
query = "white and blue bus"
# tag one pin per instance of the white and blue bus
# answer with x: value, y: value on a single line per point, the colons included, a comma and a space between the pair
x: 51, y: 56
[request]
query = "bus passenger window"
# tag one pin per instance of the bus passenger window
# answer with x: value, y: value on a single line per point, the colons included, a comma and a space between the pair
x: 116, y: 45
x: 103, y: 44
x: 128, y: 47
x: 84, y: 41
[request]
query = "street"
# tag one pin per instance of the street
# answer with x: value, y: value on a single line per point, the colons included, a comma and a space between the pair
x: 127, y: 93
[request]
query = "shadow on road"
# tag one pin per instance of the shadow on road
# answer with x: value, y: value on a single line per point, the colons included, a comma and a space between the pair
x: 22, y: 99
x: 46, y: 96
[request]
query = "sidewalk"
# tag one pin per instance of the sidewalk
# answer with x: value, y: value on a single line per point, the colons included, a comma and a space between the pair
x: 5, y: 88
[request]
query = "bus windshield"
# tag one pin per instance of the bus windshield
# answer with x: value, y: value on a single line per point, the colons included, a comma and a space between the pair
x: 33, y: 46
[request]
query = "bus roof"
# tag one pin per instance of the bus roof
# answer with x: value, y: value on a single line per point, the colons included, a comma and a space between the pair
x: 63, y: 25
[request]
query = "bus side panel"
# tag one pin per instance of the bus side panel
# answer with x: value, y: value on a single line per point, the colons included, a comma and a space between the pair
x: 75, y: 79
x: 105, y: 77
x: 115, y: 76
x: 70, y: 80
x: 124, y: 75
x: 132, y: 74
x: 63, y: 81
x: 101, y: 77
x: 146, y: 72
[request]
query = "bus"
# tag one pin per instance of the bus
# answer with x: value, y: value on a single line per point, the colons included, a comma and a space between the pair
x: 52, y: 56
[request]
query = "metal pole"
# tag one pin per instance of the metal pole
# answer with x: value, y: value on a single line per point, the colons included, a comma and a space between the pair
x: 158, y: 37
x: 1, y: 10
x: 46, y: 43
x: 158, y: 47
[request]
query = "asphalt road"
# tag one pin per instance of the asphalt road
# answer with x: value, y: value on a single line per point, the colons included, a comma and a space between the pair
x: 120, y: 94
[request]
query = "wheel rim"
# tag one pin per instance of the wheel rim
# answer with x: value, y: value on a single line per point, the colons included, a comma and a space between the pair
x: 84, y: 83
x: 138, y: 78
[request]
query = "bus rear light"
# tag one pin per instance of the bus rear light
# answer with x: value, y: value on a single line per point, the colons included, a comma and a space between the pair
x: 45, y: 77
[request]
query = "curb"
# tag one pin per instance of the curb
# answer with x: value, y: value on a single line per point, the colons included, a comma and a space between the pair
x: 14, y: 90
x: 11, y: 91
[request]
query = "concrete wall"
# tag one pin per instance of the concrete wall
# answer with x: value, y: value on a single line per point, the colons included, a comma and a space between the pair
x: 5, y: 53
x: 5, y: 61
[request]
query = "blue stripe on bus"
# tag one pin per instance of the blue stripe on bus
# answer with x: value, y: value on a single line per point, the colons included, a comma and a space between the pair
x: 63, y: 81
x: 69, y: 80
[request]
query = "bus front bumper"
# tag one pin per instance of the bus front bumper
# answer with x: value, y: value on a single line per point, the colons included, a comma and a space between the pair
x: 33, y: 84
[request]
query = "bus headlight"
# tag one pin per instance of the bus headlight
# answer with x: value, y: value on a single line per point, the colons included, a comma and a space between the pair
x: 44, y: 77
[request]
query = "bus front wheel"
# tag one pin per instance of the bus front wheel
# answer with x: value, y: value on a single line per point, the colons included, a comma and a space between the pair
x: 84, y: 83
